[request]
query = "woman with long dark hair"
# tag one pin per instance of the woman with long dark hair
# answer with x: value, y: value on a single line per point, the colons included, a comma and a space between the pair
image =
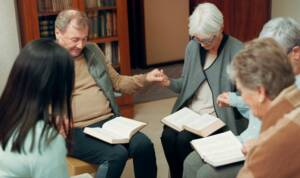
x: 35, y: 112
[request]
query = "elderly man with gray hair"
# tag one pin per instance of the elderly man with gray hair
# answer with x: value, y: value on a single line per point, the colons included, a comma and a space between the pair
x: 286, y: 31
x: 203, y: 79
x: 93, y: 102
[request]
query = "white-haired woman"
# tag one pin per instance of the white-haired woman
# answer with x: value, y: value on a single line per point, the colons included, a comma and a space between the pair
x: 203, y: 79
x: 286, y: 31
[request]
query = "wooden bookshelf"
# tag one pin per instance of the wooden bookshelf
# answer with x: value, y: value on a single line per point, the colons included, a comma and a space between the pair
x: 104, y: 40
x: 33, y: 14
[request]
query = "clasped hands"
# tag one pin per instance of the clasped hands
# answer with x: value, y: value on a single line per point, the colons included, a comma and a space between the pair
x: 158, y: 75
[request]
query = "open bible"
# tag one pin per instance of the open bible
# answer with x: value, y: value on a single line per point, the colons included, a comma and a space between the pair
x: 85, y: 175
x: 186, y: 119
x: 220, y: 149
x: 116, y: 131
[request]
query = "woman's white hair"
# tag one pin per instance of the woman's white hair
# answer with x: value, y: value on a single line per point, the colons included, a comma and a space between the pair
x: 206, y: 19
x: 285, y: 30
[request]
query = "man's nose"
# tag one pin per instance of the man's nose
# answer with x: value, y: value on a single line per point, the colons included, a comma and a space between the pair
x: 80, y: 44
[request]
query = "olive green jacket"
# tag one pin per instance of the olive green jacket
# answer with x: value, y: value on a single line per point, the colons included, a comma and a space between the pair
x: 108, y: 79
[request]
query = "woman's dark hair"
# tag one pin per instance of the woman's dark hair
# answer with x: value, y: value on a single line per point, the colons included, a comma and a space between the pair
x: 39, y: 87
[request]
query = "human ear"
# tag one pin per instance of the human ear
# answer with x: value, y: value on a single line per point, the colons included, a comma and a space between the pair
x: 57, y: 33
x: 296, y: 53
x: 262, y: 94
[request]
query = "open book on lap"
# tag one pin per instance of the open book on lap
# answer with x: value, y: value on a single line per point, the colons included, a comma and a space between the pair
x: 220, y: 149
x: 186, y: 119
x: 85, y: 175
x: 116, y: 131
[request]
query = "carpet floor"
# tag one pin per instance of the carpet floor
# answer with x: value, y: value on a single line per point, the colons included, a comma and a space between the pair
x: 155, y: 91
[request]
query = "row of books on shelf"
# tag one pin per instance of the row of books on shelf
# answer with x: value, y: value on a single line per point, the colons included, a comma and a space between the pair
x: 110, y: 49
x: 217, y: 150
x: 111, y: 52
x: 53, y: 5
x: 46, y: 26
x: 99, y: 3
x: 103, y: 24
x: 58, y: 5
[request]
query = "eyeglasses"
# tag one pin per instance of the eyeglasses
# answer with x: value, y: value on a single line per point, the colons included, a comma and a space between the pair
x: 290, y: 49
x: 207, y: 41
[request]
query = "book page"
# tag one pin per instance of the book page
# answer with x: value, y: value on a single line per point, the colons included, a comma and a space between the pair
x: 102, y: 134
x: 225, y: 155
x: 85, y: 175
x: 212, y: 144
x: 220, y: 149
x: 228, y: 158
x: 179, y: 118
x: 204, y: 125
x: 123, y: 126
x: 202, y: 122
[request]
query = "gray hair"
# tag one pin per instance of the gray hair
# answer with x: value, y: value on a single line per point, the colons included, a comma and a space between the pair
x: 264, y: 63
x: 65, y: 17
x: 206, y: 19
x: 285, y: 30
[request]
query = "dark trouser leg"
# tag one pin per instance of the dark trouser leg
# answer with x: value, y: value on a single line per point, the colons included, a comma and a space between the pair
x: 176, y: 147
x: 141, y: 150
x: 168, y: 141
x: 184, y: 147
x: 97, y: 152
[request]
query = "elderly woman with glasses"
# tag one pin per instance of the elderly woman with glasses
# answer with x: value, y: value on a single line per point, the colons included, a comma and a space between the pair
x: 203, y: 79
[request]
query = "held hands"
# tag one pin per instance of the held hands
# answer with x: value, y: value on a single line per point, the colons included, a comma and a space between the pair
x: 247, y: 146
x: 154, y: 75
x: 165, y: 82
x: 223, y: 99
x: 157, y: 75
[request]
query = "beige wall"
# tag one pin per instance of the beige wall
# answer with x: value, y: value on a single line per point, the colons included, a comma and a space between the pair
x: 166, y: 29
x: 286, y: 8
x: 9, y: 39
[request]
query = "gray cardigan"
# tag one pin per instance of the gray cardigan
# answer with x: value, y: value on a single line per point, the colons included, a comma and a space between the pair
x: 216, y: 75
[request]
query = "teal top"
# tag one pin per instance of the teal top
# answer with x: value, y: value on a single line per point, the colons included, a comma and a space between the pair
x: 252, y: 131
x: 254, y: 125
x: 48, y: 162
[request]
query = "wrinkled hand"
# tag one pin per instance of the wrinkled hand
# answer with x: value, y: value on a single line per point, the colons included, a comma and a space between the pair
x: 165, y: 82
x: 155, y: 76
x: 248, y: 146
x: 223, y: 99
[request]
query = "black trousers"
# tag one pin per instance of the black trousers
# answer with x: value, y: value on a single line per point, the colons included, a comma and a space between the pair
x: 112, y: 158
x: 176, y: 146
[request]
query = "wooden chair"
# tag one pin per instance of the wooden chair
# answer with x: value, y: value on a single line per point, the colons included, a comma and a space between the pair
x: 76, y: 166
